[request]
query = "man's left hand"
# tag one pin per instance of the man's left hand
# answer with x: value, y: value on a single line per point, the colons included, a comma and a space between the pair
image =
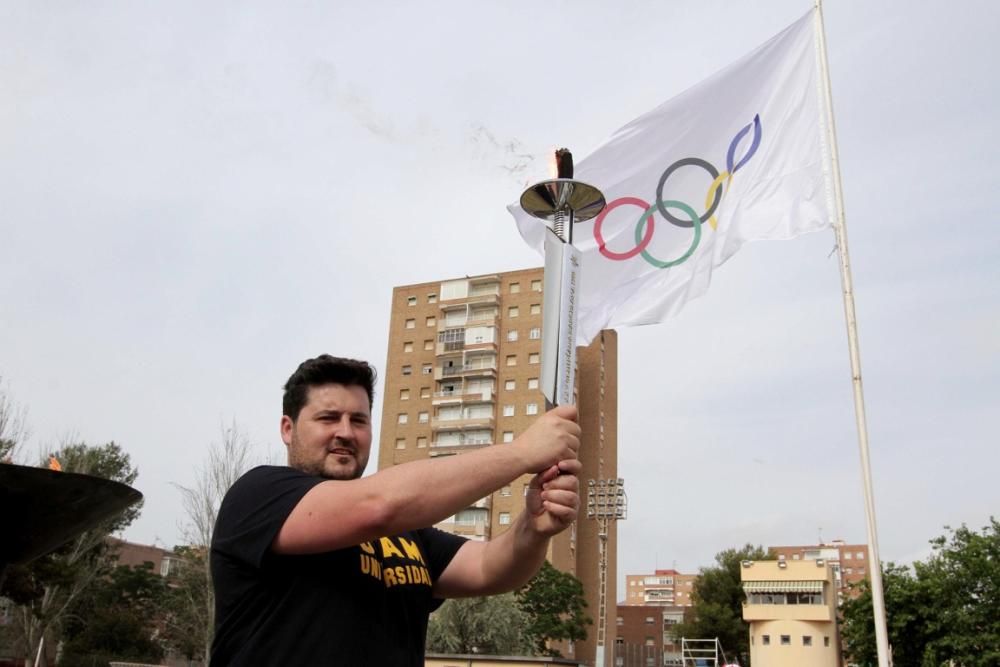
x: 554, y: 498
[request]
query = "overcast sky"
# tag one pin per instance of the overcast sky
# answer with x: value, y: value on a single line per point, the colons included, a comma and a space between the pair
x: 196, y: 196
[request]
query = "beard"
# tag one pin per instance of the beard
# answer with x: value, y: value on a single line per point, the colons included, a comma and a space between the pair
x: 324, y: 463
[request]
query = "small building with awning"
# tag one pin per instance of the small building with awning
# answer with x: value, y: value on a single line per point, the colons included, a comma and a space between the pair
x: 791, y: 607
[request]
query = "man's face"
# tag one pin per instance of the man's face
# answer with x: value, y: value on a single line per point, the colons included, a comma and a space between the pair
x: 332, y: 436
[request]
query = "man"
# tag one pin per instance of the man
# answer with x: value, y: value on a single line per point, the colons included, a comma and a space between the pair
x: 315, y: 565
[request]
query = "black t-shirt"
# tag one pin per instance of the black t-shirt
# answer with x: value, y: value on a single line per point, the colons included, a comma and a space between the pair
x: 363, y: 605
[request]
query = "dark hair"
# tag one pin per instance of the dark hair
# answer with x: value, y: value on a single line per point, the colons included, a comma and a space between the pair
x: 326, y: 369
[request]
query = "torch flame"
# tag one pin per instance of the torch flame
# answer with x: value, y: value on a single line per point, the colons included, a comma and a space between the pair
x: 54, y: 463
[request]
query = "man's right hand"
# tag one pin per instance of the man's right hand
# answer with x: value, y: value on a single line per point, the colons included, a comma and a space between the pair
x: 554, y: 437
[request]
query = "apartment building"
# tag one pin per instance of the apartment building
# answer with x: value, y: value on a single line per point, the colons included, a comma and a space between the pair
x: 662, y: 587
x: 791, y: 607
x: 462, y: 372
x: 644, y: 636
x: 848, y: 562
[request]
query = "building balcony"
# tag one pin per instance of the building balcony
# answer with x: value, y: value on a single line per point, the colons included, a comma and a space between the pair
x: 462, y: 423
x: 458, y: 397
x: 480, y: 299
x: 459, y: 370
x: 470, y: 320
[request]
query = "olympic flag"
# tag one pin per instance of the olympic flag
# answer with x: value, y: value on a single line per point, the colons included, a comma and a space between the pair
x: 741, y: 156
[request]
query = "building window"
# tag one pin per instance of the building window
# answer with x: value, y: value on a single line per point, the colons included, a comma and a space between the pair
x: 533, y: 358
x: 400, y: 443
x: 508, y: 411
x: 848, y: 555
x: 531, y: 409
x: 408, y: 346
x: 422, y: 417
x: 411, y: 301
x: 429, y: 344
x: 411, y: 323
x: 425, y: 392
x: 505, y: 491
x: 807, y: 640
x: 427, y: 369
x: 512, y: 311
x: 432, y: 298
x: 795, y: 556
x: 650, y: 641
x: 508, y: 436
x: 404, y: 394
x: 535, y: 333
x: 512, y: 336
x: 536, y: 309
x: 509, y: 385
x: 402, y: 418
x: 504, y: 518
x: 512, y: 360
x: 765, y: 640
x: 432, y: 321
x: 650, y: 620
x: 532, y: 383
x: 515, y: 288
x: 861, y: 555
x: 536, y: 285
x: 407, y: 369
x: 826, y: 642
x: 421, y: 441
x: 620, y: 621
x: 786, y: 640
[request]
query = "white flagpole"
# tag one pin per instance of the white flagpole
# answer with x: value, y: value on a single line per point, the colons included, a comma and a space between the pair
x: 875, y: 564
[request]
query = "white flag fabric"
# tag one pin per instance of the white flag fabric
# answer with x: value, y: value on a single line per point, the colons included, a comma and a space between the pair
x: 741, y: 156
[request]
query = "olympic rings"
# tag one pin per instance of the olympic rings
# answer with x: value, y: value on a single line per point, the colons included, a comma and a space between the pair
x: 644, y: 231
x: 641, y: 243
x: 698, y: 162
x: 695, y: 221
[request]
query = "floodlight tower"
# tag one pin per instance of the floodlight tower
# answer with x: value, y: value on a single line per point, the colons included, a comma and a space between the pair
x: 606, y: 502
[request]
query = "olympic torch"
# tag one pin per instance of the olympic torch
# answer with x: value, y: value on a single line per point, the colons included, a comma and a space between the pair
x: 561, y: 202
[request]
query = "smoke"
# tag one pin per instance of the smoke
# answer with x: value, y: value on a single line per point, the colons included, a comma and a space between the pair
x: 508, y: 155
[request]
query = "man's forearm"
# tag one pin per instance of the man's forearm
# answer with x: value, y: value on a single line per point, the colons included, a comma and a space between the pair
x: 426, y: 492
x: 512, y: 559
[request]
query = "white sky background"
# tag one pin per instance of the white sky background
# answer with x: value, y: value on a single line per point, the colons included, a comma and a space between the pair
x: 194, y: 197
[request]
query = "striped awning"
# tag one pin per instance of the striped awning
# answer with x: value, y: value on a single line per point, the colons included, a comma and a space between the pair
x: 782, y: 586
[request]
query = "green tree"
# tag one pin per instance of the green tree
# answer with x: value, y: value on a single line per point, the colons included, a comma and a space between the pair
x: 556, y: 609
x: 117, y: 618
x: 494, y: 625
x: 187, y: 622
x: 717, y: 603
x: 947, y: 608
x: 906, y: 619
x: 45, y: 588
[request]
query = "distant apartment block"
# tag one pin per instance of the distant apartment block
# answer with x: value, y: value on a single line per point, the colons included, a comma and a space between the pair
x: 662, y: 587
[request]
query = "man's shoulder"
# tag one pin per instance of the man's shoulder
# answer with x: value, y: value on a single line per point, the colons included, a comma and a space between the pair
x: 269, y: 473
x: 263, y: 484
